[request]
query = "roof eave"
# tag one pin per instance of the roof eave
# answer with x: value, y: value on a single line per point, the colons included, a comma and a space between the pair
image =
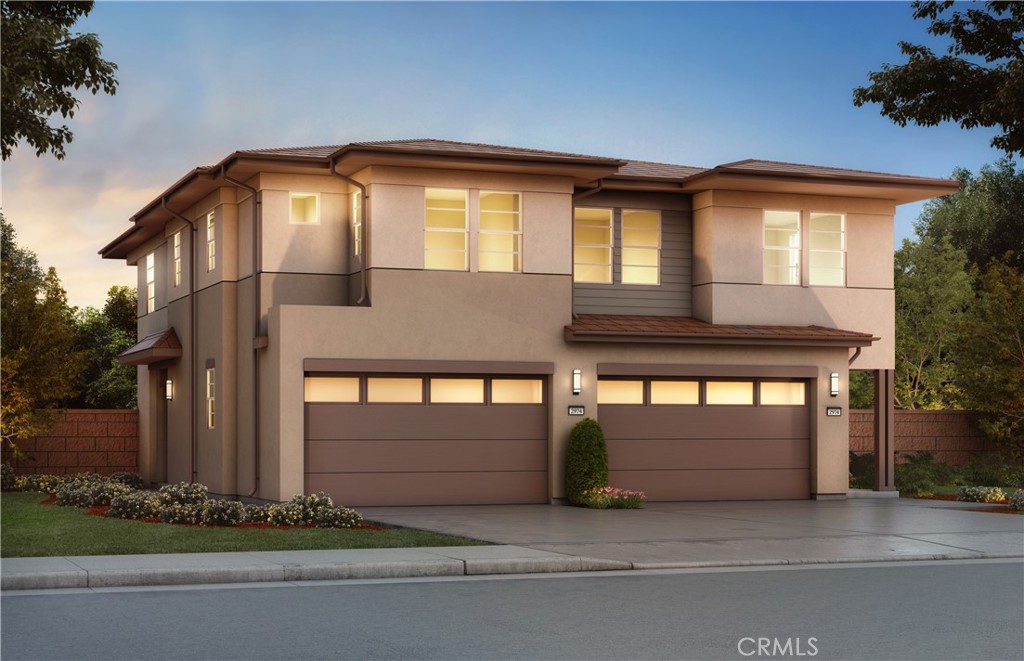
x: 847, y: 341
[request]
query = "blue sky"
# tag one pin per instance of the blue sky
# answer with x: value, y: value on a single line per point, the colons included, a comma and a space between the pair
x: 690, y: 83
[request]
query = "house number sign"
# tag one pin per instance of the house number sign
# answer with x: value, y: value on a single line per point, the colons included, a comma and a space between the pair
x: 576, y: 410
x: 833, y: 411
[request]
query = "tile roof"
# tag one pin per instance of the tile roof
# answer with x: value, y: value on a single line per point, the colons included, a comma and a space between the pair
x: 154, y: 348
x: 426, y: 145
x: 639, y: 328
x: 798, y: 169
x: 649, y: 170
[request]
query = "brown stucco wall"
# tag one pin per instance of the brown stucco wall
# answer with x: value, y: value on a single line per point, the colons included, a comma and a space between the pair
x: 952, y: 437
x: 84, y: 441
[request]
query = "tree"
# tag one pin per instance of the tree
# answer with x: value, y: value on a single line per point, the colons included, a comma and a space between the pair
x: 933, y: 290
x: 990, y: 362
x: 980, y: 82
x: 38, y: 364
x: 43, y: 63
x: 586, y: 460
x: 985, y: 218
x: 103, y: 336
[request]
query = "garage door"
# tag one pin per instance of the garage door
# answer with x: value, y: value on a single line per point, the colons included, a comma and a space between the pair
x: 707, y: 439
x: 427, y: 440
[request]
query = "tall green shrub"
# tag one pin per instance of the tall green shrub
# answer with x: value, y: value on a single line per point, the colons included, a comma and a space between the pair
x: 586, y: 461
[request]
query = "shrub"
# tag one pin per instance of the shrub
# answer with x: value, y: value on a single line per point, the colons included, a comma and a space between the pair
x: 70, y: 495
x: 221, y: 513
x: 862, y: 470
x: 992, y: 468
x: 980, y: 494
x: 586, y: 460
x: 255, y: 514
x: 7, y: 477
x: 285, y: 514
x: 42, y: 483
x: 180, y: 513
x: 183, y: 493
x: 1016, y: 500
x: 312, y: 505
x: 612, y: 497
x: 918, y: 474
x: 134, y: 480
x: 85, y: 493
x: 337, y: 517
x: 134, y: 505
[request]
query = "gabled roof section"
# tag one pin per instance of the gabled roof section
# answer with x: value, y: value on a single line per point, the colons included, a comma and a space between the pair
x: 656, y: 171
x: 686, y: 330
x: 155, y: 348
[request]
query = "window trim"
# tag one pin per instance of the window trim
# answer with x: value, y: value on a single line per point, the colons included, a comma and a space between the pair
x: 517, y: 233
x: 291, y: 208
x: 464, y: 230
x: 610, y: 246
x: 623, y: 246
x: 211, y: 241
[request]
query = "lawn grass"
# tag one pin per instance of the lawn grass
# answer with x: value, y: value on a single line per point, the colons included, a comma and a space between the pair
x: 29, y: 529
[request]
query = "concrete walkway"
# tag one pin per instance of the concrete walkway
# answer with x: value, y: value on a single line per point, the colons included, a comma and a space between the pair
x: 553, y: 538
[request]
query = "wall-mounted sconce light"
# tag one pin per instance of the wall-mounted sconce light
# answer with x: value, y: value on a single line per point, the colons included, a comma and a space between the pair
x: 577, y: 381
x: 834, y: 384
x: 169, y: 390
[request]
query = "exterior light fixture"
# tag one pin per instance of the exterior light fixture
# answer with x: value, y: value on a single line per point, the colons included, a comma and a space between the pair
x: 169, y: 390
x: 834, y: 384
x: 577, y: 381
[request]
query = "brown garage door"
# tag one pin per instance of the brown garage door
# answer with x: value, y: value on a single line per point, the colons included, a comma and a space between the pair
x: 427, y: 440
x: 707, y: 439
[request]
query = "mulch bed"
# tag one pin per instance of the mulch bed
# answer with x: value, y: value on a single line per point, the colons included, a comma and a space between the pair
x: 998, y: 507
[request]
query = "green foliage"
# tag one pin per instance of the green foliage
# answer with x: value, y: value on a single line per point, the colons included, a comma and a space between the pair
x: 134, y: 480
x: 1016, y: 500
x: 1000, y: 468
x: 285, y: 514
x: 862, y: 390
x: 978, y: 83
x: 919, y: 475
x: 984, y: 219
x: 187, y: 514
x: 586, y: 461
x: 255, y: 514
x: 602, y: 498
x: 43, y: 63
x: 103, y: 336
x: 39, y: 366
x: 312, y: 505
x: 980, y: 494
x: 862, y: 470
x: 134, y: 505
x: 222, y: 513
x: 337, y: 517
x: 86, y: 492
x: 183, y: 493
x: 8, y: 479
x: 42, y: 483
x: 990, y: 362
x: 933, y: 289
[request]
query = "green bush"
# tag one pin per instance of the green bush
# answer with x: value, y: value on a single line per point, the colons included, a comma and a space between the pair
x: 862, y: 470
x: 8, y: 479
x: 586, y: 461
x: 70, y: 495
x: 337, y: 517
x: 312, y: 505
x: 980, y: 494
x: 991, y: 468
x: 41, y: 483
x: 918, y: 474
x: 134, y: 505
x: 255, y: 514
x: 285, y: 514
x: 180, y: 513
x: 87, y: 492
x: 1016, y: 500
x: 221, y: 513
x: 134, y: 480
x: 183, y: 493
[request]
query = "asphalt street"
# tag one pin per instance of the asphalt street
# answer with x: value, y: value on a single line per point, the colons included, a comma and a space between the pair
x: 913, y: 610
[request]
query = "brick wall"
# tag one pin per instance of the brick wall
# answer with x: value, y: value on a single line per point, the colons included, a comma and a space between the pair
x: 952, y: 437
x: 84, y: 441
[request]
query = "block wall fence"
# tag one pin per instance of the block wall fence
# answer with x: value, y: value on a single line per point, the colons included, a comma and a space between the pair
x: 83, y: 441
x: 952, y: 437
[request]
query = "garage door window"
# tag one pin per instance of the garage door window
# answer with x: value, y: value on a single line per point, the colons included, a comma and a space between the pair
x: 620, y: 392
x: 782, y: 393
x: 383, y: 390
x: 332, y: 389
x: 517, y: 391
x: 456, y: 391
x: 739, y: 393
x: 675, y: 392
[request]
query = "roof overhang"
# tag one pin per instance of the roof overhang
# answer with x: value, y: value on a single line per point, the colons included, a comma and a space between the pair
x: 901, y: 190
x: 686, y: 330
x: 160, y: 347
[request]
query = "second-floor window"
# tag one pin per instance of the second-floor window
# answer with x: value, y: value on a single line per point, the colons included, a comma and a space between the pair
x: 641, y: 247
x: 211, y: 241
x: 827, y: 258
x: 150, y: 282
x: 305, y: 209
x: 782, y: 247
x: 501, y: 232
x: 176, y: 257
x: 592, y: 245
x: 446, y: 232
x: 357, y: 223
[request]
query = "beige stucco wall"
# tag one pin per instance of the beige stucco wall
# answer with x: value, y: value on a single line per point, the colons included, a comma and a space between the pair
x: 461, y: 316
x: 728, y: 250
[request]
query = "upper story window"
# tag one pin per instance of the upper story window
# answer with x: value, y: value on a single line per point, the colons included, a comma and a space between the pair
x: 211, y: 241
x: 592, y: 245
x: 305, y: 209
x: 782, y: 247
x: 501, y: 232
x: 641, y: 247
x: 446, y: 235
x: 176, y: 257
x: 827, y: 258
x: 150, y: 282
x: 357, y: 223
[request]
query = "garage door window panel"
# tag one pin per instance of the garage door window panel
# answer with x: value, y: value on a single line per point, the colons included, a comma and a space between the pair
x: 729, y: 393
x: 679, y: 393
x: 782, y: 393
x: 620, y: 392
x: 517, y: 391
x: 456, y: 391
x: 333, y: 389
x: 394, y: 390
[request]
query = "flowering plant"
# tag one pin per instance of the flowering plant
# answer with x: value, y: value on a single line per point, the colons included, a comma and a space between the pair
x: 980, y: 494
x: 602, y: 498
x: 1016, y: 500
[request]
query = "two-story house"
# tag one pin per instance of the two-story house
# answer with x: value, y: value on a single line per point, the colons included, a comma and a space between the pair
x: 423, y: 322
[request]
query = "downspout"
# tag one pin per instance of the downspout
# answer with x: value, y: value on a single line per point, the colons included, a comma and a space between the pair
x: 258, y: 341
x: 191, y: 334
x: 575, y: 198
x: 362, y: 222
x: 854, y: 356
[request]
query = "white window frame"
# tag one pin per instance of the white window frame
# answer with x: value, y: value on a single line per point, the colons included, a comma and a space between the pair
x: 610, y: 246
x: 176, y: 257
x: 211, y: 398
x: 624, y: 246
x: 211, y: 241
x: 793, y: 251
x: 813, y: 251
x: 292, y: 220
x: 357, y: 223
x: 517, y: 233
x: 150, y: 282
x: 464, y: 230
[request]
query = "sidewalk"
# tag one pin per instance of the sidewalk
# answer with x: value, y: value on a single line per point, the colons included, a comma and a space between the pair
x: 552, y: 538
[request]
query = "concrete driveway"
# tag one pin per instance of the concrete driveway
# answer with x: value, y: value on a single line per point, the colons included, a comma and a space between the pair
x: 762, y: 532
